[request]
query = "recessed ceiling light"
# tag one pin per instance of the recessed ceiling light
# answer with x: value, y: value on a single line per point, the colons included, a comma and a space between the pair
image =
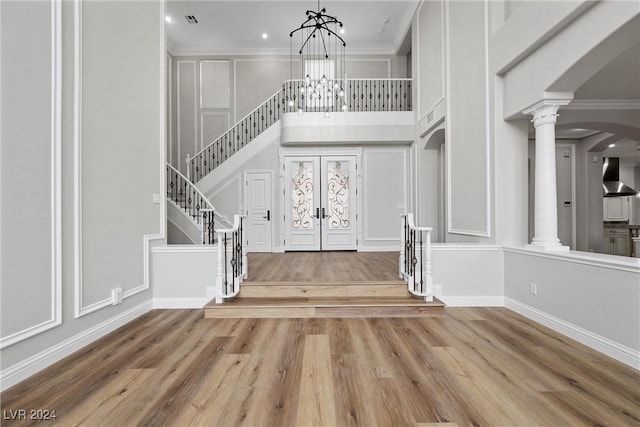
x: 168, y: 19
x: 342, y: 30
x: 612, y: 145
x: 265, y: 36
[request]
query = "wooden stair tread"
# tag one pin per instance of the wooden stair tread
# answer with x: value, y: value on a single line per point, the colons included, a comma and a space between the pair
x: 408, y: 301
x: 327, y: 283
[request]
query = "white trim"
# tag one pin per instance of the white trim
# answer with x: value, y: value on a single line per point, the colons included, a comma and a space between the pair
x: 379, y: 248
x: 179, y: 303
x: 77, y: 156
x: 443, y: 247
x: 603, y: 104
x: 620, y: 352
x: 612, y: 262
x: 473, y: 301
x: 55, y: 206
x: 260, y: 51
x: 444, y: 45
x: 169, y: 104
x: 451, y: 229
x: 178, y: 115
x: 184, y: 249
x: 212, y: 113
x: 27, y: 367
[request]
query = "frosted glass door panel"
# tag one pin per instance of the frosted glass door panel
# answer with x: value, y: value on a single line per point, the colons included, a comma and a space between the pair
x: 302, y: 204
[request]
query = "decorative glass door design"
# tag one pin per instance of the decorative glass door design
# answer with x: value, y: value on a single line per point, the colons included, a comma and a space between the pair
x: 320, y: 203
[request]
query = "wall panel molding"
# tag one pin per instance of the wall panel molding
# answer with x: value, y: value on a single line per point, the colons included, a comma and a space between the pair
x: 55, y: 207
x: 179, y: 90
x: 486, y: 232
x: 80, y: 309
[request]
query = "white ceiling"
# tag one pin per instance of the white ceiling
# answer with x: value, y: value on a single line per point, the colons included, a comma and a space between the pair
x: 236, y: 27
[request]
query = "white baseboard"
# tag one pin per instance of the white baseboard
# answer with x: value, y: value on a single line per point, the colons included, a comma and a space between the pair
x: 390, y: 248
x: 473, y: 301
x: 620, y: 352
x: 22, y: 370
x: 178, y: 303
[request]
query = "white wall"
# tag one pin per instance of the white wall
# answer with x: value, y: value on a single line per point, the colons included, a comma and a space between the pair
x: 183, y: 276
x: 588, y: 297
x: 93, y: 182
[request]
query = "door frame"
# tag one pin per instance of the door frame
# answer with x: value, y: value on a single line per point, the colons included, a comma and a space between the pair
x: 321, y: 151
x: 245, y: 179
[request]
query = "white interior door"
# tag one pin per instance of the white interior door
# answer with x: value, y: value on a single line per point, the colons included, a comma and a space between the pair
x: 302, y: 204
x: 320, y: 203
x: 259, y: 213
x: 338, y: 205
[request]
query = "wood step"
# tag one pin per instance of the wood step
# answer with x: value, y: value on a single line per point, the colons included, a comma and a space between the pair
x: 305, y: 307
x: 323, y: 289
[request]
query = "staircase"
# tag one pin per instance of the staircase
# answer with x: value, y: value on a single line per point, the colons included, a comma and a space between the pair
x: 326, y: 284
x: 324, y: 299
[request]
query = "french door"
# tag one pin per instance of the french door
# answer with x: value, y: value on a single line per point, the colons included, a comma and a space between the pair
x: 320, y: 203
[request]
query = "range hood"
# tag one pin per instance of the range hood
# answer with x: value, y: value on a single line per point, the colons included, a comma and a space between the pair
x: 611, y: 183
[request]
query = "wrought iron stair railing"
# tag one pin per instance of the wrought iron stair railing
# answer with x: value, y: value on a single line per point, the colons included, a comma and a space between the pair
x: 415, y: 258
x: 182, y: 193
x: 359, y: 95
x: 232, y: 260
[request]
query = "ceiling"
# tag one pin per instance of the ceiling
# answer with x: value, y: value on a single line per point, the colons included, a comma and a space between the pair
x: 236, y: 27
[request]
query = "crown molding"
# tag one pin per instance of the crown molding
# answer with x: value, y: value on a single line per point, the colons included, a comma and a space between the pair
x: 603, y: 104
x: 279, y: 51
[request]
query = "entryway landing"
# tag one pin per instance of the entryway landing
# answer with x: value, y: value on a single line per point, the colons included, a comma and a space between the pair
x: 323, y: 284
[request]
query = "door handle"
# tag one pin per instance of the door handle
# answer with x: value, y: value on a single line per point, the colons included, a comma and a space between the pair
x: 317, y: 213
x: 323, y: 214
x: 268, y: 217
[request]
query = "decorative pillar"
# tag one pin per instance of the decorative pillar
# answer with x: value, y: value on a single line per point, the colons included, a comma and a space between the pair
x: 546, y: 206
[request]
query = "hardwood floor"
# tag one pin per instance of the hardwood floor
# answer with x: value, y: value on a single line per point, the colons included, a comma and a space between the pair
x: 324, y: 267
x: 464, y: 366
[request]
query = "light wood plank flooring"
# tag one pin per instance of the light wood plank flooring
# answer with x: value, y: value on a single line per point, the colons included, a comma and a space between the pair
x: 465, y: 366
x: 341, y: 266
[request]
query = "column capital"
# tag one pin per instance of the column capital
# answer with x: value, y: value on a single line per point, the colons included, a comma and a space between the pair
x: 546, y: 111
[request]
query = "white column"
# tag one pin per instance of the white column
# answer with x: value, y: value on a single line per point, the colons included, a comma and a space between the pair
x: 546, y: 210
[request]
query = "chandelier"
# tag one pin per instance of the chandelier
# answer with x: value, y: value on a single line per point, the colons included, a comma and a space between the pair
x: 322, y: 58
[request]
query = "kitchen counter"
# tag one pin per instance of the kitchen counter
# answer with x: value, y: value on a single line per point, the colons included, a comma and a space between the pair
x: 618, y: 224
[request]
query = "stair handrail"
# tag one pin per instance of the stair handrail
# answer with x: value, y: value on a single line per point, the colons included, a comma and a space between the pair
x: 415, y: 257
x: 232, y: 260
x: 187, y: 197
x: 207, y: 159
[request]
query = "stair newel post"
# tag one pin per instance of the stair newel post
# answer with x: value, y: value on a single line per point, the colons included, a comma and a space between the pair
x: 421, y: 233
x: 403, y: 243
x: 219, y: 299
x: 244, y: 268
x: 429, y: 277
x: 187, y: 161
